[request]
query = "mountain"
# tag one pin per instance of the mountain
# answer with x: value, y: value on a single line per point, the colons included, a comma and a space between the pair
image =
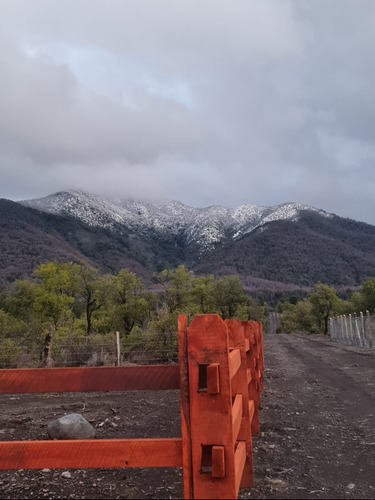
x: 332, y: 250
x: 200, y: 228
x: 29, y: 237
x: 286, y: 247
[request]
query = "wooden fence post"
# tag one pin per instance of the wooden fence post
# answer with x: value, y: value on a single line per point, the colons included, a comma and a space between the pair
x: 218, y: 457
x: 259, y: 337
x: 240, y: 382
x: 184, y: 407
x: 253, y: 381
x: 118, y: 349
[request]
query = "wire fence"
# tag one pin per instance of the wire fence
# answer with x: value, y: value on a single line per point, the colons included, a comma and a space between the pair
x: 96, y: 350
x: 353, y: 329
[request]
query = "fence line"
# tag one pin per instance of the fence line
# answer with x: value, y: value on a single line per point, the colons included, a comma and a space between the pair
x: 353, y: 329
x: 95, y: 350
x: 220, y: 377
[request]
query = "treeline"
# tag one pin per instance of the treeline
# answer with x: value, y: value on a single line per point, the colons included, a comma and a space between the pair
x: 312, y: 314
x: 69, y: 304
x: 68, y: 312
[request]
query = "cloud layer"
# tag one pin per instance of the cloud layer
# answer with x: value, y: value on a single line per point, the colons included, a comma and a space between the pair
x: 213, y: 102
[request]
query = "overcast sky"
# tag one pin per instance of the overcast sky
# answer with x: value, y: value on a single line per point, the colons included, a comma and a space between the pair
x: 224, y: 102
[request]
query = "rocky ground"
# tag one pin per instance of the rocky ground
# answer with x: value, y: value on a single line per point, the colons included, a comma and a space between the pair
x: 317, y: 430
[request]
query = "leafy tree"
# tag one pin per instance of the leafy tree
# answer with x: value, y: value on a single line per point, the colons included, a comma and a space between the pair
x: 355, y: 303
x: 129, y: 305
x: 304, y: 317
x: 54, y: 299
x: 202, y: 294
x: 324, y: 302
x: 8, y: 324
x: 162, y: 335
x: 229, y: 298
x: 287, y: 317
x: 102, y: 319
x: 55, y: 295
x: 177, y: 284
x: 19, y: 302
x: 89, y: 289
x: 256, y: 312
x: 8, y: 353
x: 368, y: 295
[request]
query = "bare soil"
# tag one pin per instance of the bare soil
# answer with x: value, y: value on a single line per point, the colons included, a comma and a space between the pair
x: 317, y: 435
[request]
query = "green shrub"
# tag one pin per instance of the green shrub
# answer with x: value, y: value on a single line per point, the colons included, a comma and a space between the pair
x: 8, y: 354
x: 78, y: 349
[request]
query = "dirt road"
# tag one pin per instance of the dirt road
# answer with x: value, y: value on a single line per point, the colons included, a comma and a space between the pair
x: 317, y: 420
x: 317, y: 430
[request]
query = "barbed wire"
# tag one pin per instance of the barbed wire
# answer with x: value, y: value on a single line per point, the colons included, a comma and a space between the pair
x: 90, y: 352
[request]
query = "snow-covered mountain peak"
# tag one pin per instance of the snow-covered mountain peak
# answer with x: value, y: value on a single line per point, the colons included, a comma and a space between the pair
x: 203, y: 227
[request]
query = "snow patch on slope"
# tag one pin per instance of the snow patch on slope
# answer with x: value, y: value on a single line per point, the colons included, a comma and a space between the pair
x: 204, y: 227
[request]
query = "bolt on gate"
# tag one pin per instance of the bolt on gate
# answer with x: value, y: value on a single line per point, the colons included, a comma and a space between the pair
x: 220, y: 377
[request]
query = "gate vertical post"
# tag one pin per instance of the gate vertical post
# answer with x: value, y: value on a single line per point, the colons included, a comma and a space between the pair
x: 215, y: 460
x: 236, y: 337
x: 184, y: 406
x: 253, y: 382
x: 259, y: 337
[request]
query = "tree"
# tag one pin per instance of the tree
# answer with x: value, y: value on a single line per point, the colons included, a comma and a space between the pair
x: 288, y: 317
x: 229, y: 297
x: 368, y: 295
x: 177, y: 284
x: 54, y: 299
x: 161, y: 335
x: 202, y: 294
x: 255, y: 311
x: 55, y: 295
x: 130, y: 307
x: 20, y: 300
x: 304, y: 318
x: 324, y: 302
x: 89, y: 289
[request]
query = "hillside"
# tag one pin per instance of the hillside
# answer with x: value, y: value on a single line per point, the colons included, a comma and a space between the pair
x: 274, y: 249
x: 29, y: 237
x: 337, y: 251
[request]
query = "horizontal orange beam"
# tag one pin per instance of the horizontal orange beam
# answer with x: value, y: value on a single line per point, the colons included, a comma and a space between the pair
x: 234, y: 362
x: 251, y: 409
x: 237, y: 411
x: 91, y: 453
x: 98, y: 378
x: 239, y: 463
x: 247, y: 345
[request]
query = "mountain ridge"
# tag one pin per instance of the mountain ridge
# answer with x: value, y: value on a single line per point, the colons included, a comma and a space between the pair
x: 206, y: 226
x: 289, y: 246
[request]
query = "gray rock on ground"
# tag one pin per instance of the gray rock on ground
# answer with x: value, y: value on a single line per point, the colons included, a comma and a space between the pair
x: 72, y: 426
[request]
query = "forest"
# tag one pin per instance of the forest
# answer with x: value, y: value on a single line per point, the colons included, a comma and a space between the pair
x: 68, y: 313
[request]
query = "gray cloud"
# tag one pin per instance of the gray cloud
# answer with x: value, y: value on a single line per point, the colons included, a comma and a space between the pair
x: 213, y: 102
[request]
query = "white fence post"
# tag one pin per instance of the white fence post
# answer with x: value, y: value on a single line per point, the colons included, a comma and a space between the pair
x: 353, y: 329
x: 369, y: 329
